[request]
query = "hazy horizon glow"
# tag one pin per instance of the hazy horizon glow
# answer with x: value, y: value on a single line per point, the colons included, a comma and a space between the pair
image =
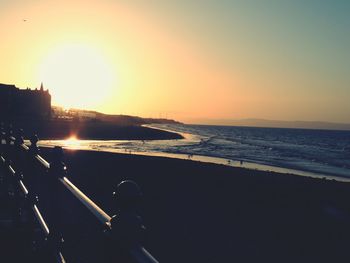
x: 187, y: 60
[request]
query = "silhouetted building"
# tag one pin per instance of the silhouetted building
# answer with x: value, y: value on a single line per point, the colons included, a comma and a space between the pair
x: 18, y: 103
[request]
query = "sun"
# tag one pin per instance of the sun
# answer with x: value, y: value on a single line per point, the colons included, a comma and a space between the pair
x: 78, y: 76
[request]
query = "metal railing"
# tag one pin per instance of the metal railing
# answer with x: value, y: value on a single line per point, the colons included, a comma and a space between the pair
x: 23, y: 164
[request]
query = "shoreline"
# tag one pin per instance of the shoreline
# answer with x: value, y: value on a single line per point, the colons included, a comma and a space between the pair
x: 251, y: 164
x: 79, y: 145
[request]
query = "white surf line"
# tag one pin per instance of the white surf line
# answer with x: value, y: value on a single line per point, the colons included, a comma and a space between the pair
x: 206, y: 159
x: 186, y: 135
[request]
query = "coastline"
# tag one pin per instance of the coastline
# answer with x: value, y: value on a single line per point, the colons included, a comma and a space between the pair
x: 286, y: 169
x: 135, y: 139
x: 118, y: 146
x: 215, y: 213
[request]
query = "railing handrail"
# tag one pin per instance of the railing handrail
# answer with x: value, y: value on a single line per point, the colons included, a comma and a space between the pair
x: 139, y: 253
x: 98, y: 212
x: 42, y: 223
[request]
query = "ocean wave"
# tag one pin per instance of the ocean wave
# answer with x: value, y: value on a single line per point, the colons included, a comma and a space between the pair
x: 324, y: 152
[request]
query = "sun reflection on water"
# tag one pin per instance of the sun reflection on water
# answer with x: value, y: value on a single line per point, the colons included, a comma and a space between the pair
x: 72, y: 142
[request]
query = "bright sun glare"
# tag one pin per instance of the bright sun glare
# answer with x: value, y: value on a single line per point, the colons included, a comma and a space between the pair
x: 77, y: 76
x: 72, y: 141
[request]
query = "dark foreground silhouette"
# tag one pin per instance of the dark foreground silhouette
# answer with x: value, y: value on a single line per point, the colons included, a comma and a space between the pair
x: 197, y: 212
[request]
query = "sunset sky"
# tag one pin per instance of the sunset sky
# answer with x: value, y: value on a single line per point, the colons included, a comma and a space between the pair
x: 188, y: 60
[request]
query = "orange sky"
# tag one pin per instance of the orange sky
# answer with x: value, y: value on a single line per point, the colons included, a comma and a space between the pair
x: 180, y: 60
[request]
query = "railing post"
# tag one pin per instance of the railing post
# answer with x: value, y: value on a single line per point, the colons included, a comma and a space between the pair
x: 8, y: 140
x: 9, y: 133
x: 33, y: 148
x: 40, y: 182
x: 57, y: 170
x: 19, y: 137
x: 127, y: 227
x: 32, y: 176
x: 2, y: 146
x: 13, y: 192
x: 2, y: 137
x: 19, y: 155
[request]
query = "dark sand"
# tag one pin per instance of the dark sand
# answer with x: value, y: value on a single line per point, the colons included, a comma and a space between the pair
x: 97, y: 130
x: 199, y: 212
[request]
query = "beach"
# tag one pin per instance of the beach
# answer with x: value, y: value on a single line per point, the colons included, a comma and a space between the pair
x: 201, y: 212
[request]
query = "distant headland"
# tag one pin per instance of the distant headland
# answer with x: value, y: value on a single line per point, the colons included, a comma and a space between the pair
x: 263, y: 123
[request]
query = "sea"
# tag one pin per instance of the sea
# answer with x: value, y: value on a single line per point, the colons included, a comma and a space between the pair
x: 307, y: 152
